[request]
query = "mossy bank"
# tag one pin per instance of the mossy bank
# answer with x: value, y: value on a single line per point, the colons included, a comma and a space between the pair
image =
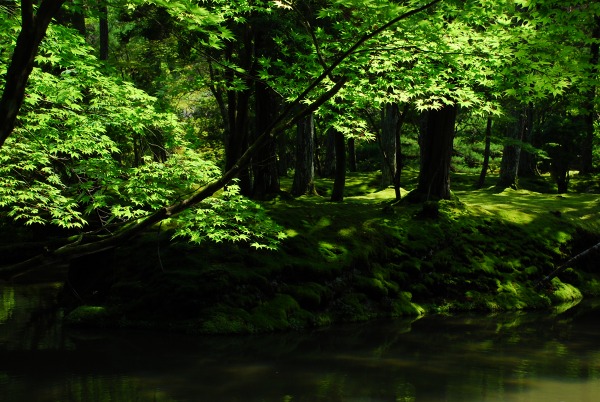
x: 361, y: 259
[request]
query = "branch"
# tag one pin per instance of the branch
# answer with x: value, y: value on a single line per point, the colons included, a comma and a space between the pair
x: 567, y: 264
x: 281, y: 123
x: 33, y: 30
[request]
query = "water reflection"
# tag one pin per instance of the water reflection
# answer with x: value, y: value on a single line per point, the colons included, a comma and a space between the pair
x: 504, y: 357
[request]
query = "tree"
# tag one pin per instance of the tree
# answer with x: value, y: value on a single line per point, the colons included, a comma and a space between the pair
x: 33, y: 30
x: 169, y: 204
x: 304, y: 173
x: 436, y: 153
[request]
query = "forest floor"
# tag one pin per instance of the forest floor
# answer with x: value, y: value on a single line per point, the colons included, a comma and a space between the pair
x: 364, y: 258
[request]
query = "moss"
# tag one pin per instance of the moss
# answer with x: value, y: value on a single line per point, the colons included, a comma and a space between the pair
x: 403, y: 306
x: 88, y: 316
x: 564, y: 292
x: 372, y: 287
x: 226, y: 320
x: 364, y: 258
x: 309, y: 295
x: 277, y: 314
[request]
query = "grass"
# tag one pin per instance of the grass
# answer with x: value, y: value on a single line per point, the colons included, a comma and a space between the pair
x: 365, y: 258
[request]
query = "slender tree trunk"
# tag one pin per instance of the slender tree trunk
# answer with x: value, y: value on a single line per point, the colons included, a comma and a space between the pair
x: 238, y: 102
x: 304, y: 175
x: 587, y: 146
x: 33, y: 30
x: 103, y: 25
x: 398, y: 156
x: 436, y: 144
x: 527, y: 160
x: 509, y: 166
x: 329, y: 165
x: 387, y: 143
x: 340, y: 167
x: 486, y: 153
x: 351, y: 155
x: 264, y: 163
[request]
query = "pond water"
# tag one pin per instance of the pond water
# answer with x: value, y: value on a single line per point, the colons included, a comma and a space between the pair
x: 542, y: 356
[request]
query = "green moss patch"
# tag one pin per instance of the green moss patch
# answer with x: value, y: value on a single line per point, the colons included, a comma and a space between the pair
x: 365, y: 258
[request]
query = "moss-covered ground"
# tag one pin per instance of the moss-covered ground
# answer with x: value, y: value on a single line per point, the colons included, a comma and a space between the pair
x: 364, y: 258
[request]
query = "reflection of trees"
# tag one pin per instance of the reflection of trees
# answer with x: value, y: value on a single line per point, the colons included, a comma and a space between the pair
x: 462, y: 358
x: 7, y: 303
x: 30, y: 317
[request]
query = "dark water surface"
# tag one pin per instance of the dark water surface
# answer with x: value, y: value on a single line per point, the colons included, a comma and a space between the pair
x: 541, y: 356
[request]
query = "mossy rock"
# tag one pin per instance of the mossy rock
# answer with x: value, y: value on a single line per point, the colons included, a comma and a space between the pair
x: 309, y: 295
x: 280, y: 313
x: 88, y: 317
x: 564, y: 292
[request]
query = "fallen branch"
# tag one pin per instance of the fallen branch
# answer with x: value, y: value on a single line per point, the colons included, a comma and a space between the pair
x: 285, y: 120
x: 567, y: 264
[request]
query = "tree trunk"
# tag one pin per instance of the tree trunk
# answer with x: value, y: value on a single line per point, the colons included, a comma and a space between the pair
x: 436, y: 141
x: 304, y: 175
x: 329, y: 165
x: 103, y: 25
x: 351, y: 155
x: 387, y: 143
x: 238, y: 102
x: 486, y: 153
x: 398, y: 155
x: 264, y: 163
x: 73, y: 18
x: 340, y: 167
x: 33, y: 30
x: 509, y: 166
x: 587, y: 145
x: 527, y: 160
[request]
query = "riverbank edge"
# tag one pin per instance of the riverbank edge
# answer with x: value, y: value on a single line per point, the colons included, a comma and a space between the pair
x: 341, y: 263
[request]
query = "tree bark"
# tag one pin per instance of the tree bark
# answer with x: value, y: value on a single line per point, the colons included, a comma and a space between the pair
x: 103, y: 28
x: 486, y: 153
x: 304, y: 175
x: 436, y: 153
x: 390, y: 118
x: 587, y: 146
x: 352, y: 155
x: 264, y: 163
x: 527, y: 160
x: 509, y: 166
x: 339, y: 182
x: 33, y: 30
x: 329, y: 165
x: 238, y: 102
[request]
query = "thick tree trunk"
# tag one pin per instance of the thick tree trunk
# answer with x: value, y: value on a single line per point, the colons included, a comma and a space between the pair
x: 103, y: 25
x: 351, y: 155
x: 238, y: 102
x: 509, y: 166
x: 304, y: 175
x: 486, y: 153
x: 329, y: 165
x: 390, y: 118
x: 33, y: 30
x: 587, y: 146
x: 527, y: 160
x: 436, y: 143
x: 340, y: 166
x: 74, y: 19
x: 264, y: 163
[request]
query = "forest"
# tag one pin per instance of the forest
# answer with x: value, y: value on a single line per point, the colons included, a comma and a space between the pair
x: 250, y: 166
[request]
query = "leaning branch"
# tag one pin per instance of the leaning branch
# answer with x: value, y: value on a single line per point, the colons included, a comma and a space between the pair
x: 290, y: 116
x: 567, y: 264
x: 33, y: 30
